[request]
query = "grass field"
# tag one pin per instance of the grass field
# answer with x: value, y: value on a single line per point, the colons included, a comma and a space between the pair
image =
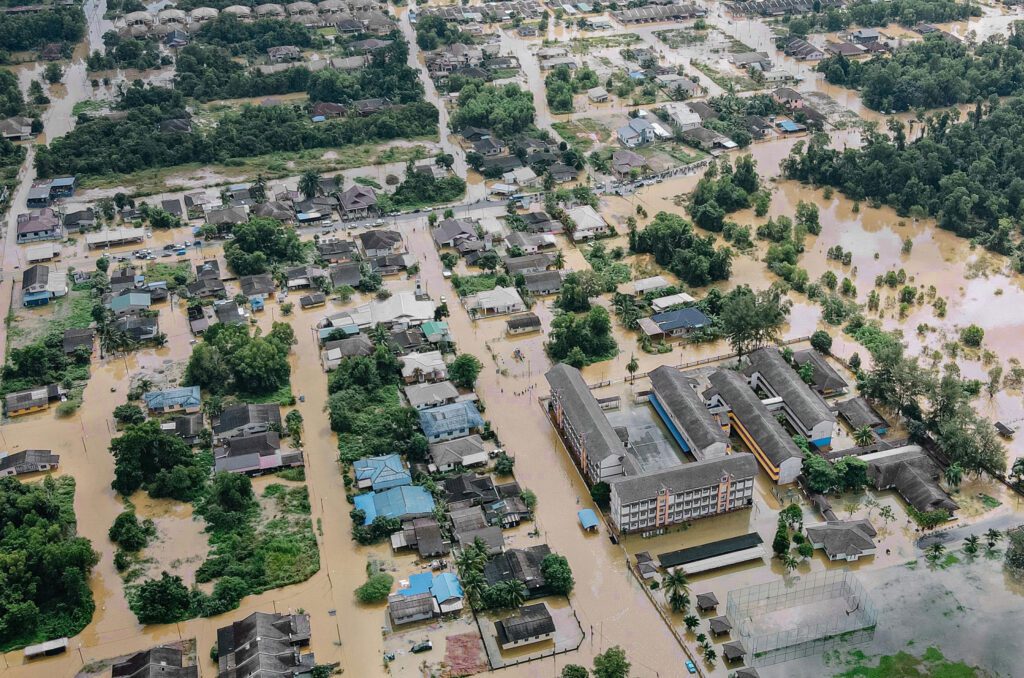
x: 582, y: 134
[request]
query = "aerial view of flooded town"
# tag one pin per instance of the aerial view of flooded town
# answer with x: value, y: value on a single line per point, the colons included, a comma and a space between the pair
x: 532, y: 338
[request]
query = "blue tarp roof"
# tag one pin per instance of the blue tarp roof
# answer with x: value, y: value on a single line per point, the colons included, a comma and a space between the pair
x: 588, y: 519
x: 397, y: 502
x: 418, y: 583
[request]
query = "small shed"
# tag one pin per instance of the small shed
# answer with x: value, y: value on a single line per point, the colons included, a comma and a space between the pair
x: 588, y: 520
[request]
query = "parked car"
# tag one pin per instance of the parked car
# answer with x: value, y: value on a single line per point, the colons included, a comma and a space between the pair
x: 690, y: 667
x: 425, y: 646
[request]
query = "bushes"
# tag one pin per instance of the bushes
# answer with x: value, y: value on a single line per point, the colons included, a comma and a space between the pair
x: 128, y: 533
x: 376, y: 589
x: 464, y: 370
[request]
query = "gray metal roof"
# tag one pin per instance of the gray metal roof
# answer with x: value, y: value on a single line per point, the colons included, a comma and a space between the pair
x: 676, y: 394
x: 581, y: 408
x: 532, y: 621
x: 740, y: 466
x: 805, y: 404
x: 759, y: 422
x: 842, y: 538
x: 825, y: 377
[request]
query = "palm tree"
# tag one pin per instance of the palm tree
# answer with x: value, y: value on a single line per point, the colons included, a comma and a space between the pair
x: 954, y: 475
x: 380, y: 335
x: 473, y: 584
x: 559, y: 260
x: 863, y: 436
x: 992, y: 537
x: 710, y: 656
x: 632, y: 366
x: 309, y: 183
x: 691, y: 622
x: 934, y: 552
x: 677, y: 588
x: 790, y: 562
x: 258, y: 190
x: 971, y: 544
x: 513, y: 593
x: 701, y: 639
x: 1017, y: 470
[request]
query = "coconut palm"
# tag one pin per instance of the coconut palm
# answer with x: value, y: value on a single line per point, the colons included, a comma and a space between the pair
x: 710, y: 656
x: 559, y: 261
x: 677, y: 588
x: 790, y: 562
x: 513, y: 593
x: 863, y: 436
x: 992, y: 537
x: 309, y: 183
x: 971, y: 544
x: 934, y: 552
x: 691, y: 621
x: 473, y: 584
x: 258, y: 190
x: 380, y: 335
x: 632, y: 366
x: 954, y: 475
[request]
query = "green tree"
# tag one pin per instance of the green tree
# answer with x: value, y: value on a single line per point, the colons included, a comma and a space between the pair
x: 954, y: 475
x: 751, y: 320
x: 503, y: 466
x: 821, y: 341
x: 142, y: 452
x: 805, y: 549
x: 677, y: 589
x: 819, y: 473
x: 376, y: 589
x: 129, y: 414
x: 632, y: 366
x: 864, y: 436
x: 161, y: 601
x: 612, y: 663
x: 309, y: 184
x: 574, y: 671
x: 464, y: 370
x: 600, y: 493
x: 557, y: 574
x: 1014, y: 558
x: 691, y: 621
x: 993, y: 537
x: 130, y: 534
x: 972, y: 336
x: 971, y: 542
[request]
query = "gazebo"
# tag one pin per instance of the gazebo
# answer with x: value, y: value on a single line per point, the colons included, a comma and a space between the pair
x: 720, y: 625
x: 707, y: 601
x: 733, y: 650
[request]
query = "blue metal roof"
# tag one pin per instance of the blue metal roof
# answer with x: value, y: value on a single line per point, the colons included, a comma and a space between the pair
x: 691, y: 318
x: 186, y: 396
x: 789, y: 126
x: 36, y: 298
x: 446, y: 586
x: 588, y: 519
x: 418, y: 583
x: 397, y: 502
x: 383, y: 472
x: 448, y: 419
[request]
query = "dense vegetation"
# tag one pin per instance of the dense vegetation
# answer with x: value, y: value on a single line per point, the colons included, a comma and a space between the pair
x: 433, y: 31
x: 506, y: 111
x: 206, y: 73
x: 44, y: 567
x: 103, y: 145
x: 140, y: 54
x: 231, y: 360
x: 580, y: 340
x: 675, y: 245
x: 875, y: 13
x: 11, y: 103
x: 261, y: 243
x: 252, y: 38
x: 30, y: 30
x: 732, y: 110
x: 933, y: 73
x: 562, y: 84
x: 44, y: 362
x: 157, y: 461
x: 722, y: 191
x: 420, y: 188
x: 366, y: 412
x: 968, y: 176
x: 388, y: 75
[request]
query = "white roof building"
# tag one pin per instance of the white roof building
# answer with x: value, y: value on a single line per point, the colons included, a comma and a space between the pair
x: 589, y: 224
x: 400, y: 309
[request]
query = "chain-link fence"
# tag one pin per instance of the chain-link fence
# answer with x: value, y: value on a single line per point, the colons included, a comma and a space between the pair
x: 783, y: 620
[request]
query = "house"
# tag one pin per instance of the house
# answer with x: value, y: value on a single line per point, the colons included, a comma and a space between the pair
x: 864, y: 36
x: 284, y: 53
x: 325, y: 109
x: 680, y: 322
x: 475, y: 134
x: 825, y: 380
x: 530, y: 243
x: 460, y: 453
x: 421, y: 367
x: 730, y: 398
x: 357, y: 202
x: 541, y: 222
x: 187, y: 427
x: 43, y: 252
x: 597, y: 95
x: 450, y: 232
x: 230, y: 313
x: 425, y: 396
x: 543, y: 282
x: 678, y: 86
x: 312, y: 300
x: 624, y: 162
x: 846, y: 49
x: 756, y: 126
x: 413, y: 608
x: 858, y: 413
x: 706, y: 139
x: 703, y: 110
x: 653, y: 284
x: 260, y: 283
x: 78, y: 339
x: 366, y: 107
x: 406, y: 341
x: 176, y: 39
x: 757, y: 60
x: 348, y: 273
x: 381, y: 473
x: 404, y: 503
x: 531, y: 624
x: 391, y: 264
x: 523, y: 177
x: 665, y: 303
x: 63, y: 187
x: 303, y: 277
x: 138, y: 328
x: 470, y: 489
x: 561, y: 173
x: 636, y: 132
x: 523, y: 324
x: 206, y: 287
x: 31, y: 400
x: 399, y: 310
x: 380, y: 243
x: 589, y: 224
x: 247, y: 419
x: 225, y: 217
x: 529, y: 263
x: 790, y: 127
x: 39, y: 195
x: 27, y: 461
x: 912, y: 473
x: 264, y: 644
x: 254, y: 455
x: 17, y: 128
x: 114, y: 236
x: 182, y: 399
x: 157, y: 662
x: 43, y: 224
x: 801, y: 50
x: 804, y: 410
x: 522, y: 565
x: 336, y: 250
x: 843, y: 539
x: 333, y: 352
x: 130, y: 303
x: 488, y: 147
x: 499, y: 301
x: 424, y: 535
x: 450, y: 421
x: 788, y: 97
x: 40, y: 284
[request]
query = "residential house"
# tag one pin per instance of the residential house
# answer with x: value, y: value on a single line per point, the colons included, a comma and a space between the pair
x: 336, y: 250
x: 284, y: 53
x: 858, y: 412
x: 589, y: 224
x: 522, y: 565
x: 223, y: 218
x: 450, y: 421
x: 529, y: 625
x: 425, y: 396
x: 756, y: 60
x: 333, y: 352
x: 788, y: 97
x: 847, y: 540
x: 421, y: 367
x: 381, y: 473
x: 358, y: 202
x: 450, y: 232
x: 652, y: 284
x: 529, y: 263
x: 597, y: 95
x: 303, y: 277
x: 543, y: 282
x: 230, y: 313
x: 523, y: 177
x: 846, y: 49
x: 624, y: 162
x: 671, y: 301
x: 470, y: 489
x: 413, y: 608
x: 78, y: 339
x: 254, y: 455
x: 680, y: 322
x: 27, y: 461
x: 399, y: 310
x: 188, y: 427
x: 499, y: 301
x: 43, y: 224
x: 379, y: 243
x: 636, y: 132
x: 130, y: 303
x: 541, y: 222
x: 260, y: 283
x: 40, y: 284
x: 44, y: 252
x: 404, y: 503
x: 157, y: 662
x: 706, y: 139
x: 138, y: 328
x: 247, y: 419
x: 181, y: 399
x: 17, y: 128
x: 561, y: 173
x: 530, y: 243
x: 349, y: 273
x: 523, y: 323
x: 264, y: 644
x: 460, y: 453
x: 801, y: 50
x: 424, y: 535
x: 31, y: 400
x: 757, y: 126
x: 865, y: 36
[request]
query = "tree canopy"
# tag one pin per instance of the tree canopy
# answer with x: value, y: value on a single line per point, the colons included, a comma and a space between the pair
x: 260, y: 243
x: 506, y: 110
x: 675, y: 245
x: 230, y: 359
